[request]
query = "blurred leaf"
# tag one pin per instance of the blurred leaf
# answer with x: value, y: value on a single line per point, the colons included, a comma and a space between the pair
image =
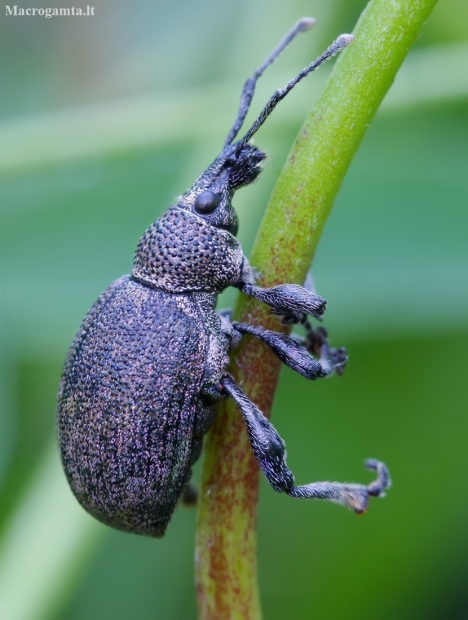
x: 43, y: 546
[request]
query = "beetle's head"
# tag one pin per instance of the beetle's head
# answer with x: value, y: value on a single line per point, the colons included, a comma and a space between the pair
x: 192, y: 246
x: 240, y: 162
x: 210, y: 196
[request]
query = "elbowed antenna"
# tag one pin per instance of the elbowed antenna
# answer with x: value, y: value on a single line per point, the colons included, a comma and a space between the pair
x: 249, y: 87
x: 341, y: 42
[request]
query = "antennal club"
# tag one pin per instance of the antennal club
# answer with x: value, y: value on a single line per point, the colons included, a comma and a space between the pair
x: 341, y: 42
x: 249, y: 87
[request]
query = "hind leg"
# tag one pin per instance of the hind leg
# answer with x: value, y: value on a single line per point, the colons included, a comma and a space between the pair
x: 189, y: 495
x: 269, y: 450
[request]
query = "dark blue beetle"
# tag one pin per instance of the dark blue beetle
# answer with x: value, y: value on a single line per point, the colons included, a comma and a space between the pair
x: 150, y: 358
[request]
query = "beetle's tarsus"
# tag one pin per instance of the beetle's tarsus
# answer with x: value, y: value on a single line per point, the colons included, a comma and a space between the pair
x: 353, y: 496
x: 316, y: 342
x: 292, y: 318
x: 383, y: 482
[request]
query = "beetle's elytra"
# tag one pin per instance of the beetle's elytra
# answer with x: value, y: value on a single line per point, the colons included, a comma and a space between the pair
x: 150, y: 357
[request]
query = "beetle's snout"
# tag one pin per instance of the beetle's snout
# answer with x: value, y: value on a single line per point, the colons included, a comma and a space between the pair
x: 247, y: 166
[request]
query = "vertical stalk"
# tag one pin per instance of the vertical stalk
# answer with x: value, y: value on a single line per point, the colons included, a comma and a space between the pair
x: 283, y: 251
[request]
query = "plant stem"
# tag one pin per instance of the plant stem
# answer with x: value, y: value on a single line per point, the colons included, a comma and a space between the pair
x: 283, y: 251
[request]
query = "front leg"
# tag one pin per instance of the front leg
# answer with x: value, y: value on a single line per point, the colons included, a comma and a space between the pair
x: 294, y: 303
x: 287, y: 300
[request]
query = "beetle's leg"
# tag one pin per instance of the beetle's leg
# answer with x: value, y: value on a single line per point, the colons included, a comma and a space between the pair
x: 316, y: 343
x: 269, y: 450
x: 189, y: 495
x: 284, y: 299
x: 294, y: 303
x: 225, y: 313
x: 296, y: 318
x: 287, y: 299
x: 233, y: 336
x: 291, y: 352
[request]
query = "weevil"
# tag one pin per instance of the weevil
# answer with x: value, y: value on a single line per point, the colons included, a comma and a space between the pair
x: 149, y: 360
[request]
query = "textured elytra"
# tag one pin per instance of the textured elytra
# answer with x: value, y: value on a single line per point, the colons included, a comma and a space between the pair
x: 125, y: 461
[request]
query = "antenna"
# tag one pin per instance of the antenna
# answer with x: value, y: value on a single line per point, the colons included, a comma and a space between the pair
x: 341, y: 42
x: 249, y: 87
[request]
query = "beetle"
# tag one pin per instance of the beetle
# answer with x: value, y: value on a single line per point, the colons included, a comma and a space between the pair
x: 149, y: 360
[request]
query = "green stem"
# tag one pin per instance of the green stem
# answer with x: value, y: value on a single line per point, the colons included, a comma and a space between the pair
x: 283, y: 251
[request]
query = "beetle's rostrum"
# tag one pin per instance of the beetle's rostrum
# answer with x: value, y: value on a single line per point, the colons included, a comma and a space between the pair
x: 150, y: 358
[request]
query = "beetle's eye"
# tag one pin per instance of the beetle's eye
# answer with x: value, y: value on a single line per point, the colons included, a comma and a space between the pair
x: 207, y: 202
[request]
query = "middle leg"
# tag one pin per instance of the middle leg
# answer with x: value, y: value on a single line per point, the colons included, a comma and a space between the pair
x: 291, y: 352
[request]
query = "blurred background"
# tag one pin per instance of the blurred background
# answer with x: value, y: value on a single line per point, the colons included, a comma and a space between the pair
x: 104, y: 120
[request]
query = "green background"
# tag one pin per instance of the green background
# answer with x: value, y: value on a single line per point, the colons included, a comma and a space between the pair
x: 104, y: 121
